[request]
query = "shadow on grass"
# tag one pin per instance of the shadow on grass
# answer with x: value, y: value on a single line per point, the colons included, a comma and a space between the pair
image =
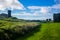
x: 30, y: 33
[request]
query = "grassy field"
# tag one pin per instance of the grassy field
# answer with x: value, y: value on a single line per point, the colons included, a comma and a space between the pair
x: 9, y: 30
x: 47, y: 31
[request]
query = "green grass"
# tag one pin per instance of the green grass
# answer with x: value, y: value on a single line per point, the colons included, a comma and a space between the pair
x: 8, y: 28
x: 11, y: 25
x: 48, y: 31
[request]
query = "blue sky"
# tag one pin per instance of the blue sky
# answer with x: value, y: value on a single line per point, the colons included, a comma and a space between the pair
x: 31, y: 9
x: 37, y: 2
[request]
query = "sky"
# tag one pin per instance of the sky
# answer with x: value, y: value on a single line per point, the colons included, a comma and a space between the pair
x: 31, y: 9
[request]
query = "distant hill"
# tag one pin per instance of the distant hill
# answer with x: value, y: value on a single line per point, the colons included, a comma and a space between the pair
x: 4, y: 15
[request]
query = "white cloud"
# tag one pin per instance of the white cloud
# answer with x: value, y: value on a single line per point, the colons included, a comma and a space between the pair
x: 39, y: 12
x: 27, y: 16
x: 41, y: 9
x: 45, y: 12
x: 32, y: 16
x: 45, y: 9
x: 11, y: 4
x: 24, y: 14
x: 57, y: 6
x: 33, y: 7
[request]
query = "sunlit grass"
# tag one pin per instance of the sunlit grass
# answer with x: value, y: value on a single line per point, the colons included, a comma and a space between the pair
x: 10, y: 25
x: 48, y: 31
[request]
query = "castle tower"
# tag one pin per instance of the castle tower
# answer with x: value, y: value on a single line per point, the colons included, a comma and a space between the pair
x: 9, y: 13
x: 56, y: 17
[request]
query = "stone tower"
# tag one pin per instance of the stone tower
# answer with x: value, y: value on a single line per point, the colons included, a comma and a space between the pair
x: 56, y: 17
x: 9, y: 13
